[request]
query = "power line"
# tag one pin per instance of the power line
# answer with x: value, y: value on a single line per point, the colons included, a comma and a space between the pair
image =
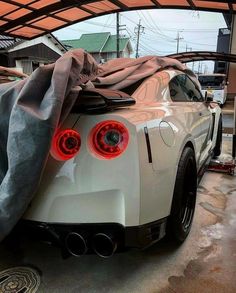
x: 106, y: 23
x: 148, y: 49
x: 155, y: 25
x: 99, y: 24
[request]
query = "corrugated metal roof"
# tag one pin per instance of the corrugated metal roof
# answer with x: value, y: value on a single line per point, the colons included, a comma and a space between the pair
x: 110, y: 45
x: 97, y: 42
x: 6, y: 42
x: 32, y: 18
x: 90, y: 42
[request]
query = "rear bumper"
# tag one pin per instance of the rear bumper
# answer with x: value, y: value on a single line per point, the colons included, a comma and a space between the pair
x: 135, y: 236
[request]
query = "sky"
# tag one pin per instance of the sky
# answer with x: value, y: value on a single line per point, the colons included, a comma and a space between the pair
x: 197, y: 30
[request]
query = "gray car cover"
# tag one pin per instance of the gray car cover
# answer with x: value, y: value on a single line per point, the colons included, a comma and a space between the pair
x: 32, y: 109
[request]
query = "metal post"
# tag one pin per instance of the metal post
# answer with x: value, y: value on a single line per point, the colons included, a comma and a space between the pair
x: 138, y: 33
x: 178, y: 38
x: 198, y: 67
x: 234, y: 132
x: 230, y: 45
x: 117, y: 35
x: 177, y: 50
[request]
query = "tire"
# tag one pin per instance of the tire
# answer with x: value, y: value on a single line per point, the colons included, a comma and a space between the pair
x: 184, y: 198
x: 217, y: 148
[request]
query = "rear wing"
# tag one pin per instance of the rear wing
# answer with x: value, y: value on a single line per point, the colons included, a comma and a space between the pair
x: 99, y: 100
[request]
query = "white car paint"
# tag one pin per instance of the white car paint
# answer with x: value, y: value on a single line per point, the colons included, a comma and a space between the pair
x: 128, y: 190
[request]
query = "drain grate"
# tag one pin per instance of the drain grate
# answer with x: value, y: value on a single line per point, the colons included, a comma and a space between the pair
x: 19, y: 280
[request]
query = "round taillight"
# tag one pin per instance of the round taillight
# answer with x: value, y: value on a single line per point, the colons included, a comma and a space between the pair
x: 66, y: 144
x: 109, y: 139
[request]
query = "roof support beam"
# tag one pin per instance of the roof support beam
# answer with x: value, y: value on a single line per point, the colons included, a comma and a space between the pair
x: 158, y: 5
x: 119, y: 4
x: 203, y: 55
x: 90, y: 9
x: 191, y: 4
x: 230, y: 8
x: 43, y: 11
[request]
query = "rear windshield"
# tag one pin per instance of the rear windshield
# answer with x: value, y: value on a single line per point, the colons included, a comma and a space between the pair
x: 212, y: 81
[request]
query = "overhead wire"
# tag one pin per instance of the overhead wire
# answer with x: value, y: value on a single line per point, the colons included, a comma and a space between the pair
x: 152, y: 30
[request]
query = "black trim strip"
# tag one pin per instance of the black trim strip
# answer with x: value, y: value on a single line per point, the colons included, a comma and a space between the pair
x: 213, y: 125
x: 204, y: 167
x: 234, y: 146
x: 149, y: 150
x: 141, y: 236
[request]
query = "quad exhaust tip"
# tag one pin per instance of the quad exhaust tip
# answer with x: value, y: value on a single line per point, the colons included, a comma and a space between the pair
x: 104, y: 245
x: 76, y: 244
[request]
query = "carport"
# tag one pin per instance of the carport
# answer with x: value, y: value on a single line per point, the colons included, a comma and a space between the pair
x: 29, y: 19
x: 205, y: 263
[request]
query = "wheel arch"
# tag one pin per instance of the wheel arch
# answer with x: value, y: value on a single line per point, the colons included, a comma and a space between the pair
x: 187, y: 142
x: 190, y: 144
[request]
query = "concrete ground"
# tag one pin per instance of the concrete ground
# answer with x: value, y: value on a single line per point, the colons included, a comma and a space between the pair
x: 206, y: 262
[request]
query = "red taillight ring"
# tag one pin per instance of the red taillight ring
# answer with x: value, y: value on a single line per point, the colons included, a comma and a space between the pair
x: 66, y: 144
x: 109, y: 139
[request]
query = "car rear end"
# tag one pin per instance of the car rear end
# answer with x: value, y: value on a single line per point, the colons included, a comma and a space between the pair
x: 90, y: 190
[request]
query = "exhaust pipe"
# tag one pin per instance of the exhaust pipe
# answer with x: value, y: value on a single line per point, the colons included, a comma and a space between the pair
x: 104, y: 245
x: 76, y: 244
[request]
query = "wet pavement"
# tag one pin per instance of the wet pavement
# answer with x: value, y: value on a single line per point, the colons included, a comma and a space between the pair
x: 206, y: 262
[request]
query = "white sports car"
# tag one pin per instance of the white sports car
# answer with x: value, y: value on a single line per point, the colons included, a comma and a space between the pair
x: 129, y: 176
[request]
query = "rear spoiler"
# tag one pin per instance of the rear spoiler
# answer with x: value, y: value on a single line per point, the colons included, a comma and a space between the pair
x: 98, y: 100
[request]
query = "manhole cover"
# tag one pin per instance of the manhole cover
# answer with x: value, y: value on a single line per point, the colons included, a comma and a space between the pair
x: 19, y: 280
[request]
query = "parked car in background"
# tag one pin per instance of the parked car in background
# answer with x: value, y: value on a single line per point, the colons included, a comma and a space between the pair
x: 215, y: 84
x: 8, y: 75
x: 124, y: 174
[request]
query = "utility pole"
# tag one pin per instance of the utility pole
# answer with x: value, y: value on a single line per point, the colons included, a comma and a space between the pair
x: 139, y: 29
x: 117, y: 35
x: 187, y: 50
x: 199, y: 67
x: 178, y: 38
x: 119, y: 28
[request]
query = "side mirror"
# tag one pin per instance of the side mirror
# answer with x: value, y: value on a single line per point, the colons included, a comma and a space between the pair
x: 208, y: 97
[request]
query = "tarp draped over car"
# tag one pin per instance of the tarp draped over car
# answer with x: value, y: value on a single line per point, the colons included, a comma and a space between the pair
x: 120, y: 73
x: 32, y: 109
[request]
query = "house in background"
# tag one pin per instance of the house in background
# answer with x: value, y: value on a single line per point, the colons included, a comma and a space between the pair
x: 26, y: 56
x: 102, y: 46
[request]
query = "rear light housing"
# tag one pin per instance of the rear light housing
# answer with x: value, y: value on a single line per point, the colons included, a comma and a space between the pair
x: 109, y: 139
x: 66, y: 144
